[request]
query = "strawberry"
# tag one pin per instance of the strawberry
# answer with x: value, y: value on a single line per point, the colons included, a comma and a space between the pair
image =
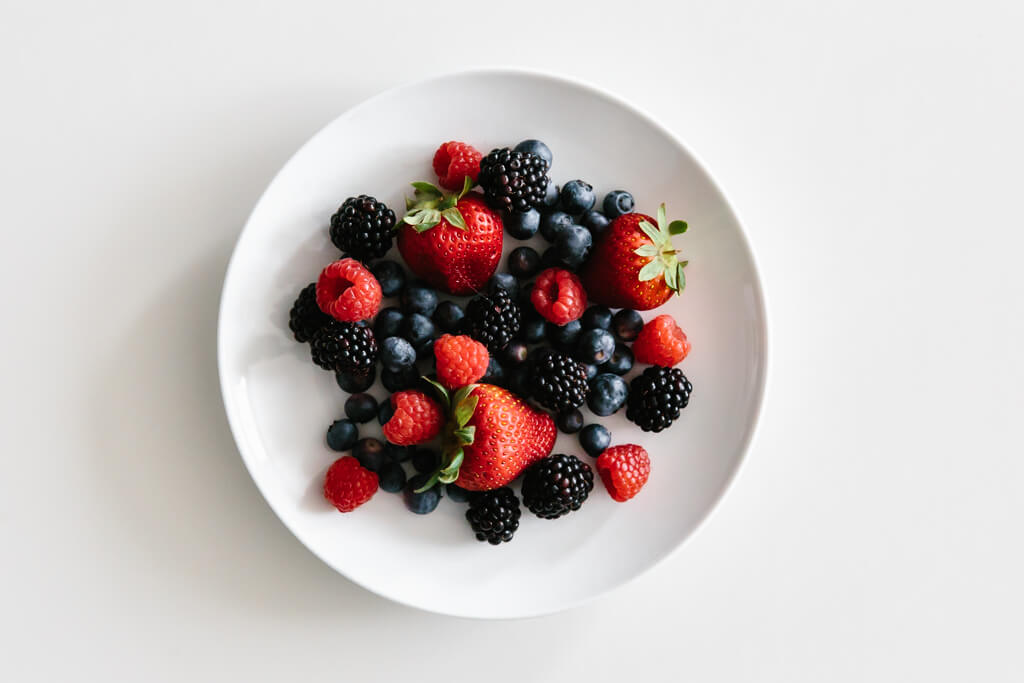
x: 491, y: 437
x: 451, y: 241
x: 634, y: 265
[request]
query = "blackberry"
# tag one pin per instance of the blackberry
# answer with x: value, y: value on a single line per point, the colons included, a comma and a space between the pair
x: 557, y: 485
x: 557, y: 381
x: 494, y: 515
x: 514, y: 181
x: 363, y: 227
x: 493, y: 320
x: 306, y: 317
x: 344, y: 347
x: 656, y: 397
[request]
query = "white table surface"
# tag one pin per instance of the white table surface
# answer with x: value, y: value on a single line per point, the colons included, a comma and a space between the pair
x: 874, y: 151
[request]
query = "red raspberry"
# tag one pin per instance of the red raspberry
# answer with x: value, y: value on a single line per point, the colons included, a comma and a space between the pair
x: 347, y: 291
x: 559, y: 296
x: 348, y: 484
x: 624, y: 470
x: 661, y: 342
x: 461, y: 360
x: 417, y: 419
x: 453, y: 161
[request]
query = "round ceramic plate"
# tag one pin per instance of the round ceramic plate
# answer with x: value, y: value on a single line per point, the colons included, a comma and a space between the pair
x: 279, y: 404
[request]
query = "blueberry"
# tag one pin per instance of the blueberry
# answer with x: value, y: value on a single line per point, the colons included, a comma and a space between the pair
x: 456, y: 494
x: 417, y: 328
x: 570, y: 421
x: 595, y: 346
x: 397, y: 354
x: 524, y: 300
x: 573, y: 246
x: 596, y: 318
x: 361, y: 408
x: 595, y: 221
x: 518, y: 379
x: 522, y: 226
x: 392, y: 477
x: 626, y: 324
x: 553, y: 224
x: 342, y: 435
x: 448, y: 317
x: 424, y: 502
x: 577, y: 197
x: 354, y: 382
x: 536, y: 148
x: 550, y: 196
x: 621, y: 361
x: 532, y: 330
x: 506, y: 281
x: 425, y: 349
x: 495, y: 373
x: 397, y: 453
x: 591, y: 370
x: 425, y: 460
x: 390, y: 275
x: 370, y: 454
x: 524, y: 262
x: 401, y: 380
x: 385, y: 412
x: 617, y: 203
x: 418, y: 297
x: 515, y: 353
x: 564, y: 337
x: 388, y: 323
x: 595, y: 438
x: 607, y: 394
x: 551, y: 259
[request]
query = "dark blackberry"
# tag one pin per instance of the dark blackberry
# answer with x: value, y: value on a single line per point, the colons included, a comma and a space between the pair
x: 494, y: 515
x: 514, y: 181
x: 493, y: 320
x: 557, y: 381
x: 363, y: 227
x: 557, y: 485
x: 656, y: 396
x: 344, y: 347
x: 306, y: 317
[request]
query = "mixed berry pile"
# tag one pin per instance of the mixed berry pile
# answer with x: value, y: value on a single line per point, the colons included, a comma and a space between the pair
x: 484, y: 366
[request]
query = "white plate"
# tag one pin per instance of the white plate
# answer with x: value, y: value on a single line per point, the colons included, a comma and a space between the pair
x: 279, y: 404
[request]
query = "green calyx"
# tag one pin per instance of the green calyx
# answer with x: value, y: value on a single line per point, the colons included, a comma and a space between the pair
x: 664, y: 257
x: 429, y: 205
x: 457, y: 433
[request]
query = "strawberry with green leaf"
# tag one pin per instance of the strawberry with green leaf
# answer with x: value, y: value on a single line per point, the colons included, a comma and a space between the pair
x: 452, y: 241
x: 634, y: 263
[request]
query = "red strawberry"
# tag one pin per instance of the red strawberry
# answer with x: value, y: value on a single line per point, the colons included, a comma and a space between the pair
x: 347, y: 291
x: 624, y: 470
x: 348, y: 484
x: 454, y: 162
x: 661, y: 342
x: 453, y: 242
x: 634, y: 265
x: 416, y: 419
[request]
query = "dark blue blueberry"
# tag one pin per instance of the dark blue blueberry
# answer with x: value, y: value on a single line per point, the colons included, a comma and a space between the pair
x: 573, y: 246
x: 354, y: 382
x: 617, y: 203
x: 591, y: 370
x: 418, y: 297
x: 448, y: 317
x: 551, y: 259
x: 495, y: 373
x: 524, y: 262
x: 550, y: 197
x: 397, y: 453
x: 608, y: 393
x: 569, y: 421
x: 421, y: 503
x: 576, y: 197
x: 361, y: 408
x: 506, y: 281
x: 370, y: 454
x: 522, y: 226
x: 595, y: 346
x: 388, y: 323
x: 595, y: 438
x: 390, y: 275
x: 392, y: 477
x: 515, y: 353
x: 595, y: 221
x: 417, y: 328
x: 564, y: 337
x: 621, y: 361
x: 519, y: 380
x: 456, y: 494
x: 342, y: 435
x: 524, y: 300
x: 425, y: 349
x: 626, y: 324
x: 401, y: 380
x: 385, y: 411
x: 596, y: 318
x: 397, y: 354
x: 425, y: 460
x: 552, y: 225
x: 536, y: 148
x: 533, y: 330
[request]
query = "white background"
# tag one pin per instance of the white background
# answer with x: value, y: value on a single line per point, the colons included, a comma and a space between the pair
x: 874, y: 151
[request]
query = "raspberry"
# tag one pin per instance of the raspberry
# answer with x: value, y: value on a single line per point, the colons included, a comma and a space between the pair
x: 461, y: 360
x: 624, y: 470
x: 347, y: 291
x: 559, y: 296
x: 348, y: 484
x: 416, y: 419
x: 453, y: 161
x: 661, y: 342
